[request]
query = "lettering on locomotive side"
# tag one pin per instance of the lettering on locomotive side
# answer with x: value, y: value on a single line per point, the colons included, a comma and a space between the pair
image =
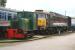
x: 59, y: 24
x: 4, y: 23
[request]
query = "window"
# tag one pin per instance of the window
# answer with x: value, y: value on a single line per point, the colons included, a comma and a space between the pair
x: 9, y: 16
x: 2, y: 15
x: 5, y: 17
x: 36, y: 15
x: 15, y: 16
x: 41, y: 15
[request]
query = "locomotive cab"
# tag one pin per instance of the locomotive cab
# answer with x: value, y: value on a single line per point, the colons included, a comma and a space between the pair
x: 41, y: 22
x: 41, y: 19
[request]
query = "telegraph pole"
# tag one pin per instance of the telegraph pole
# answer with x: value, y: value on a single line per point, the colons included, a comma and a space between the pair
x: 65, y: 13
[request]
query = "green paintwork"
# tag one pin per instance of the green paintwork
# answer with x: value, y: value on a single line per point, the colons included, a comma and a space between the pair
x: 27, y: 20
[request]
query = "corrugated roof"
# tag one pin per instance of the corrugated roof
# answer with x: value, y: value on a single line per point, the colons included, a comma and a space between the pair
x: 8, y: 9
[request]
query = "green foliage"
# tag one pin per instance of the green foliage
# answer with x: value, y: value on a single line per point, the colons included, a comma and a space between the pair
x: 3, y: 3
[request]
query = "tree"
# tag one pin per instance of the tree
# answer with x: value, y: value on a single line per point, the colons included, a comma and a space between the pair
x: 3, y: 3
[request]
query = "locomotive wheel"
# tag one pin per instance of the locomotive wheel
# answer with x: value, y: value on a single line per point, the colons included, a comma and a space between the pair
x: 30, y: 34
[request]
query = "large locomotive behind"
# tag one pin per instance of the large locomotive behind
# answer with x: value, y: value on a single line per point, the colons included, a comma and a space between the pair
x: 51, y: 22
x: 57, y: 23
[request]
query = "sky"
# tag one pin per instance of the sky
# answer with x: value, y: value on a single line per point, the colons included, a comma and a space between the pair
x: 60, y: 6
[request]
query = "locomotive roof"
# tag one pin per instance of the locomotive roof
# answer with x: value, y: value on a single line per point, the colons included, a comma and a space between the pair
x: 42, y: 12
x: 57, y: 14
x: 25, y: 11
x: 8, y: 9
x: 72, y: 17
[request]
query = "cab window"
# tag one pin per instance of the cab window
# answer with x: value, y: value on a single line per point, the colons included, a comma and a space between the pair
x: 41, y: 15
